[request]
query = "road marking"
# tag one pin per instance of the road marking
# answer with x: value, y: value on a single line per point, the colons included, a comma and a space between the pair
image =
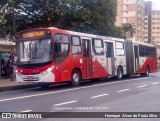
x: 140, y: 89
x: 99, y: 96
x: 155, y: 83
x: 78, y: 88
x: 143, y: 78
x: 124, y: 90
x: 65, y: 103
x: 142, y: 86
x: 27, y: 111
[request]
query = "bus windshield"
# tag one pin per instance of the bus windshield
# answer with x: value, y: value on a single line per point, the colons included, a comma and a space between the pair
x: 34, y: 52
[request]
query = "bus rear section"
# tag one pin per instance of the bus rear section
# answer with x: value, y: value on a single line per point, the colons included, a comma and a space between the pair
x: 140, y: 58
x: 147, y: 59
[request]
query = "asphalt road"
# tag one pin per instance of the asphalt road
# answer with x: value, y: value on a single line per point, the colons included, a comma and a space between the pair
x: 135, y: 94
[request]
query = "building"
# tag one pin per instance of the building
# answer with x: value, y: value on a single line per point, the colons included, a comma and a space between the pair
x: 7, y: 46
x: 152, y: 24
x: 155, y: 27
x: 133, y: 12
x: 148, y: 19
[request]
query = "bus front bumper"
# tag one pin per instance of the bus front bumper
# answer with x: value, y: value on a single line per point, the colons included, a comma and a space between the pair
x: 38, y: 78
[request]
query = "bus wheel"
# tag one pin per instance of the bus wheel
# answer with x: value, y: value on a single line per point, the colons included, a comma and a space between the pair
x: 76, y: 78
x: 147, y: 71
x: 119, y: 73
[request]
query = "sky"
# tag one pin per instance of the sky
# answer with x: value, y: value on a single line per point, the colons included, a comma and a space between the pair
x: 156, y: 4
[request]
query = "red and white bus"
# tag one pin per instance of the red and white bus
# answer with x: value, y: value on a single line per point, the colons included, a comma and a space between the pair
x: 52, y: 55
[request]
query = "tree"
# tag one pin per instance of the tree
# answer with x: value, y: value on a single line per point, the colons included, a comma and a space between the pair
x: 89, y: 16
x: 129, y: 30
x: 7, y: 19
x: 4, y: 13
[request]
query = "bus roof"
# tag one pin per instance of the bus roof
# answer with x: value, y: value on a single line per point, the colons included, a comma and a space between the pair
x: 86, y: 35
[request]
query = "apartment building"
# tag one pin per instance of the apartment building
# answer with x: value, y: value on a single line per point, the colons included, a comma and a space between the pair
x: 148, y: 19
x: 156, y: 27
x: 152, y: 25
x: 133, y: 12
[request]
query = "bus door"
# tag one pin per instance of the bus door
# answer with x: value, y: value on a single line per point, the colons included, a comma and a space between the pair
x: 87, y: 58
x: 136, y: 58
x: 109, y: 58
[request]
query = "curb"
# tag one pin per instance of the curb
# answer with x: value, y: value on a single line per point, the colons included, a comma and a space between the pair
x: 17, y: 87
x: 157, y: 70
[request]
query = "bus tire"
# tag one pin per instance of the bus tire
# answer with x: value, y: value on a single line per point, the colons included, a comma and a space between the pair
x: 147, y: 71
x: 75, y: 79
x: 119, y: 73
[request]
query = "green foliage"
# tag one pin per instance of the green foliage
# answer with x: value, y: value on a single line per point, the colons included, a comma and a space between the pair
x: 129, y: 30
x: 4, y: 17
x: 90, y: 16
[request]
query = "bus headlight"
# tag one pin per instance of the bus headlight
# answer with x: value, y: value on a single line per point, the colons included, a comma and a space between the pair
x: 48, y: 70
x: 19, y: 74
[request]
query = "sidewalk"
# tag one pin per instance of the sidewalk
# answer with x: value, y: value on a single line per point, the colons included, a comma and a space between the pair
x: 6, y: 84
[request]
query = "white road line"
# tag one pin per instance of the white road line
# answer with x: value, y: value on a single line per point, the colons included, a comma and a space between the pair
x: 28, y: 96
x: 141, y: 89
x: 155, y: 83
x: 99, y: 96
x: 142, y: 86
x: 123, y: 90
x: 65, y: 103
x: 27, y: 111
x: 143, y: 79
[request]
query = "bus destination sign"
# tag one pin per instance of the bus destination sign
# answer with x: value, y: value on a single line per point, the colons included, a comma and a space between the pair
x: 34, y: 34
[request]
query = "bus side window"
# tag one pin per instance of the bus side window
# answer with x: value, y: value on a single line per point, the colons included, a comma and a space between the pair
x: 98, y: 47
x: 76, y: 45
x: 120, y: 49
x: 141, y: 51
x: 61, y: 45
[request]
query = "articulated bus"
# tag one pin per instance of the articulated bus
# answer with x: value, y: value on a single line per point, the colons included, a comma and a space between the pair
x: 51, y: 55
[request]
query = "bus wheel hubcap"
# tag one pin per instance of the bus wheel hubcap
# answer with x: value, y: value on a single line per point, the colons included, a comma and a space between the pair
x: 120, y: 74
x: 75, y: 78
x: 147, y: 72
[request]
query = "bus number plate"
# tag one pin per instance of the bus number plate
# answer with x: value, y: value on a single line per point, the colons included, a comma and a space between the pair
x: 30, y: 78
